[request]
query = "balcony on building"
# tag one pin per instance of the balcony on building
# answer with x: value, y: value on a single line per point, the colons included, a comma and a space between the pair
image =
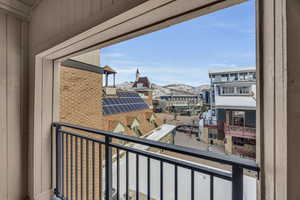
x: 240, y: 131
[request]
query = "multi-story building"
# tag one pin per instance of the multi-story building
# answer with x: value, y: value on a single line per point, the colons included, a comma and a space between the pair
x: 175, y: 103
x: 233, y: 103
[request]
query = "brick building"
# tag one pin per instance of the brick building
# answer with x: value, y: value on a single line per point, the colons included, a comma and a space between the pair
x: 85, y: 101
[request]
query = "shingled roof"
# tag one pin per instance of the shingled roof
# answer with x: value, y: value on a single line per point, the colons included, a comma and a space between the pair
x: 112, y: 124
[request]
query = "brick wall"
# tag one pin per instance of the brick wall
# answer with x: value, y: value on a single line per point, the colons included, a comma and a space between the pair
x: 80, y: 104
x: 80, y: 97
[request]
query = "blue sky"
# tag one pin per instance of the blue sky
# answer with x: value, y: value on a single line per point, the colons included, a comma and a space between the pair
x: 184, y: 53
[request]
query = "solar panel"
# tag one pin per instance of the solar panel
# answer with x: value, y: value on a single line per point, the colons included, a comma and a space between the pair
x: 124, y: 109
x: 104, y: 101
x: 109, y: 101
x: 138, y: 106
x: 118, y: 101
x: 106, y: 111
x: 127, y: 108
x: 130, y: 106
x: 118, y: 108
x: 127, y: 102
x: 114, y: 100
x: 124, y: 101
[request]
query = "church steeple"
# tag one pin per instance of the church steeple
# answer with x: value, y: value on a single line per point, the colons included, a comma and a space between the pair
x: 137, y: 75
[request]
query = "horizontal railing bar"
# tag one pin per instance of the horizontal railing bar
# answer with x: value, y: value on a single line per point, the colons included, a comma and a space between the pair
x: 224, y: 159
x: 181, y: 163
x: 89, y: 138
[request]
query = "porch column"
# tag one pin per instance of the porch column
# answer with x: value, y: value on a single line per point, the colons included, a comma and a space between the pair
x: 114, y: 80
x: 106, y: 79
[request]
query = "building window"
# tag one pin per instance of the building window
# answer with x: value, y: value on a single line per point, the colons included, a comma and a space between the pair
x: 233, y: 77
x: 238, y: 118
x: 243, y: 90
x: 212, y: 136
x: 243, y: 76
x: 224, y: 77
x: 153, y: 123
x: 251, y: 76
x: 227, y: 90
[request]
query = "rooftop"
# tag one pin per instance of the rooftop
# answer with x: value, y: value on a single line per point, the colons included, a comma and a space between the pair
x: 233, y: 70
x: 109, y: 70
x: 112, y: 124
x: 130, y: 120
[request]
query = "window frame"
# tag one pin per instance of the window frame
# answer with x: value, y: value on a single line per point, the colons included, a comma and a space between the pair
x: 270, y: 61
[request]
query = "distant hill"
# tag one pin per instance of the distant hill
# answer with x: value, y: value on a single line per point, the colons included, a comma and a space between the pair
x: 172, y: 89
x: 125, y: 86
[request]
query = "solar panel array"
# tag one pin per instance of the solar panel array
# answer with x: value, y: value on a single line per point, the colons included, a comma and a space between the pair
x: 126, y: 102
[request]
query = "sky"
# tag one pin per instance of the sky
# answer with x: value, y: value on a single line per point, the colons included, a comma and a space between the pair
x: 183, y: 53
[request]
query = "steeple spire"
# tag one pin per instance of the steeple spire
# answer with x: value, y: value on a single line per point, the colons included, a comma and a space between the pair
x: 137, y: 74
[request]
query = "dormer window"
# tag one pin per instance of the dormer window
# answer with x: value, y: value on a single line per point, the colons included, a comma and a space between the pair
x: 137, y: 131
x: 134, y: 124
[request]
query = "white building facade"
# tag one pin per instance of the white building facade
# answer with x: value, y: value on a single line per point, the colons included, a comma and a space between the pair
x: 233, y: 102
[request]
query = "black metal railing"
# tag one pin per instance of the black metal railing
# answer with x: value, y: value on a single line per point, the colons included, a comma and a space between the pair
x: 79, y: 155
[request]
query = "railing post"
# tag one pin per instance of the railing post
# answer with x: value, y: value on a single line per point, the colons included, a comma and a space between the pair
x: 237, y: 182
x: 108, y: 168
x: 173, y: 135
x: 59, y: 162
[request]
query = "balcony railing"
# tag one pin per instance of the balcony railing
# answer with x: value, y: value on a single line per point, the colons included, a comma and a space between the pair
x: 225, y: 79
x: 79, y: 166
x: 210, y: 123
x: 244, y: 152
x: 240, y: 131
